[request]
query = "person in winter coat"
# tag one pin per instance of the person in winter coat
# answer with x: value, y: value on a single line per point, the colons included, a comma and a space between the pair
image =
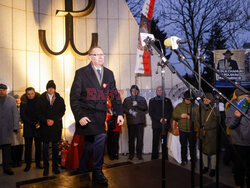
x: 155, y: 112
x: 88, y: 100
x: 135, y: 107
x: 51, y: 109
x: 28, y: 112
x: 209, y: 122
x: 239, y: 129
x: 113, y: 132
x: 17, y: 145
x: 8, y: 124
x: 181, y: 113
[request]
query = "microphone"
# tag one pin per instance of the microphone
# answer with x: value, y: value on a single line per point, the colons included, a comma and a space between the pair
x: 145, y: 37
x: 179, y: 54
x: 182, y: 41
x: 174, y: 42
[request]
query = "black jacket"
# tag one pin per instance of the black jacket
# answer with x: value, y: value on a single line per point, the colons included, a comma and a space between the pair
x: 141, y: 109
x: 54, y: 112
x: 28, y: 114
x: 89, y: 99
x: 232, y: 63
x: 155, y: 111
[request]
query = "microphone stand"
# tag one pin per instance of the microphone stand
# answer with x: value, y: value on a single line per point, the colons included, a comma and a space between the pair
x: 163, y: 64
x: 192, y: 153
x: 163, y: 128
x: 200, y: 122
x: 218, y: 139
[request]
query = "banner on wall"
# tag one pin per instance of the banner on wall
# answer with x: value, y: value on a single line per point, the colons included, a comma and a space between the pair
x: 235, y: 65
x: 143, y: 65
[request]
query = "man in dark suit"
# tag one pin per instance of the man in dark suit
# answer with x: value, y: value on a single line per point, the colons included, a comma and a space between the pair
x: 28, y: 112
x: 155, y: 112
x: 227, y: 63
x: 88, y: 99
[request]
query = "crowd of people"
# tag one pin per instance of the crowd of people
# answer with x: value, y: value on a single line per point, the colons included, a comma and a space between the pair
x: 36, y: 118
x: 99, y: 113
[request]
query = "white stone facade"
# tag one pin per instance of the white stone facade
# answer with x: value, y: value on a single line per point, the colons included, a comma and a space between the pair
x: 23, y: 63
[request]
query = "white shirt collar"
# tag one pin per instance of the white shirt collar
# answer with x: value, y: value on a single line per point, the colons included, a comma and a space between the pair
x: 97, y: 68
x: 50, y: 97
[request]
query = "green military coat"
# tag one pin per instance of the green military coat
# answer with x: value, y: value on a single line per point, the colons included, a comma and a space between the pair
x: 184, y: 124
x: 209, y: 133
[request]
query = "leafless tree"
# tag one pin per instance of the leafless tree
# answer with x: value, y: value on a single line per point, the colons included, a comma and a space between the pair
x: 193, y: 19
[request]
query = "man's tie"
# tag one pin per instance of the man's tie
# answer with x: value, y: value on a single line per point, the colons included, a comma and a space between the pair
x: 99, y: 73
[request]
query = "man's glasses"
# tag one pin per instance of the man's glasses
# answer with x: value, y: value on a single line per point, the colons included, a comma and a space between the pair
x: 97, y: 55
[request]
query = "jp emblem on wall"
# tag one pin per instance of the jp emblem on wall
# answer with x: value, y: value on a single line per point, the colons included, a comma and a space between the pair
x: 69, y: 14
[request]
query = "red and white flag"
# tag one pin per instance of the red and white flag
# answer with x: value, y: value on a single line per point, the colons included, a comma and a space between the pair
x: 143, y: 65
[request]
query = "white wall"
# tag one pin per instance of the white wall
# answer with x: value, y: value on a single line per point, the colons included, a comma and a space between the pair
x: 23, y: 63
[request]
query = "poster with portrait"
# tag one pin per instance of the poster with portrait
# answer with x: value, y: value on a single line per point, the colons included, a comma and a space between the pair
x: 234, y: 64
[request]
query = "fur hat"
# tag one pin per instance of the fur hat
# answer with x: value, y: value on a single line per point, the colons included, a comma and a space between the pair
x: 51, y: 84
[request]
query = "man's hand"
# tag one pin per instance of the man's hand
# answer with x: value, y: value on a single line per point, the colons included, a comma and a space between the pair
x: 185, y: 116
x: 164, y: 119
x: 50, y: 122
x: 120, y: 120
x: 84, y: 121
x: 237, y: 113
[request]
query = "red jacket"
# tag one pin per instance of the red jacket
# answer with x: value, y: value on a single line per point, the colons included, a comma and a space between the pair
x: 110, y: 116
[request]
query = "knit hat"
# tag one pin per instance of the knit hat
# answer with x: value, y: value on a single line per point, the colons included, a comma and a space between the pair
x: 51, y: 84
x: 3, y: 86
x: 209, y: 96
x: 239, y: 92
x: 187, y: 95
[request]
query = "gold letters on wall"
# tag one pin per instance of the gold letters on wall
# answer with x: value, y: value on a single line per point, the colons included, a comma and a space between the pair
x: 68, y: 13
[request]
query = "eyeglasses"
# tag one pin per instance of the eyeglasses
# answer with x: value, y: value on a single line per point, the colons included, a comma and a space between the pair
x: 98, y: 55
